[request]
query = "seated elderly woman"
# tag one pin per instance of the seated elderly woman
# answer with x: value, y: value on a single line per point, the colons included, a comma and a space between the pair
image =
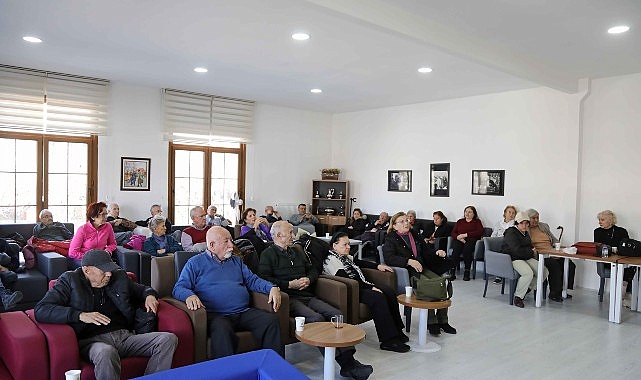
x: 438, y: 229
x: 414, y: 224
x: 355, y: 225
x: 517, y: 244
x: 159, y: 244
x: 466, y: 232
x: 611, y: 234
x: 95, y: 234
x: 258, y: 224
x: 381, y: 300
x: 405, y: 249
x: 47, y: 229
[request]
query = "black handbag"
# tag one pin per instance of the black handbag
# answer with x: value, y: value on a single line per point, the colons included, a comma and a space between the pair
x: 629, y: 247
x: 145, y: 322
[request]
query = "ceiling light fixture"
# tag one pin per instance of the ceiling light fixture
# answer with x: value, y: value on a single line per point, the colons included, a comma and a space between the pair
x: 315, y: 90
x: 200, y: 70
x: 425, y: 70
x: 618, y: 29
x: 300, y: 36
x: 32, y: 39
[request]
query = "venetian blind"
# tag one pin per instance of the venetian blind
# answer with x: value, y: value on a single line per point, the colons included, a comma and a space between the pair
x: 48, y: 102
x: 201, y: 119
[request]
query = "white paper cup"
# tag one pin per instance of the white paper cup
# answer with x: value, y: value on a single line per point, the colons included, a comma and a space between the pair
x: 557, y: 246
x: 615, y: 250
x: 327, y: 234
x: 408, y: 291
x: 73, y: 374
x: 300, y: 323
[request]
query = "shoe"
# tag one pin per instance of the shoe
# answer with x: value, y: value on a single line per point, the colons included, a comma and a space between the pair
x: 466, y: 275
x: 358, y: 371
x: 395, y: 346
x: 447, y: 328
x: 434, y: 329
x: 518, y: 302
x: 556, y: 298
x: 497, y: 281
x: 568, y: 296
x: 404, y: 338
x: 10, y: 299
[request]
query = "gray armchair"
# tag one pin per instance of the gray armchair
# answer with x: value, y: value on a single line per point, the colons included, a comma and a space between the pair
x: 402, y: 280
x: 479, y: 249
x: 499, y: 264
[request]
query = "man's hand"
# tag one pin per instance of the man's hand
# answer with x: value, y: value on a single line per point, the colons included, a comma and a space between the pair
x: 274, y: 296
x: 416, y: 265
x: 384, y: 268
x: 193, y: 302
x: 94, y: 317
x: 117, y: 222
x: 306, y: 281
x: 299, y: 283
x: 151, y: 304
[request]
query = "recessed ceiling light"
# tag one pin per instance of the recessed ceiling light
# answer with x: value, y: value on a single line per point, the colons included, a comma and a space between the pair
x: 200, y: 70
x: 425, y: 70
x: 618, y: 29
x: 32, y: 39
x: 315, y: 90
x: 300, y: 36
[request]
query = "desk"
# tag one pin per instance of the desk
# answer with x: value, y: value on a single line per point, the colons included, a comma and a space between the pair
x: 612, y: 260
x: 324, y: 334
x: 351, y: 242
x: 423, y: 345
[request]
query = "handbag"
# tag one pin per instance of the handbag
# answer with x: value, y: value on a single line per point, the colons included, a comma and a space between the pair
x: 629, y: 247
x: 588, y: 248
x: 145, y: 322
x: 432, y: 289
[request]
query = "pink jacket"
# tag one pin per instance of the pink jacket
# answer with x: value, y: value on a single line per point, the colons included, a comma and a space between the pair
x: 88, y: 237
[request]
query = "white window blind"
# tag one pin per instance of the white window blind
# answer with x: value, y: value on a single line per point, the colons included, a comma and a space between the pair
x: 47, y: 102
x: 201, y: 119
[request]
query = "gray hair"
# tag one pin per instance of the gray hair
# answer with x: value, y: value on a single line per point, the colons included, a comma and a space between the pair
x: 193, y: 211
x: 156, y: 221
x: 607, y: 214
x: 43, y: 211
x: 411, y: 212
x: 277, y: 227
x: 531, y: 213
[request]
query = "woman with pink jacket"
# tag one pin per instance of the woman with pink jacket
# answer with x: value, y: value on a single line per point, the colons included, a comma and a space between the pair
x: 97, y: 233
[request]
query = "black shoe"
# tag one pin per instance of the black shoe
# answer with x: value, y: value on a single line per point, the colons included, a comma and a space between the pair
x: 518, y: 302
x: 568, y: 296
x: 395, y: 345
x: 497, y: 281
x: 555, y: 298
x: 358, y: 371
x: 466, y: 275
x: 434, y: 329
x: 404, y: 338
x: 447, y: 328
x: 10, y: 299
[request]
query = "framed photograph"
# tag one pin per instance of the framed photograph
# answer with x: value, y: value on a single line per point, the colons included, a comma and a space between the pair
x: 399, y: 180
x: 439, y: 180
x: 488, y: 182
x: 134, y: 173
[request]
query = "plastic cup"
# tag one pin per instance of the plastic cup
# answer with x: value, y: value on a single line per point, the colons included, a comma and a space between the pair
x: 408, y: 291
x: 337, y: 321
x: 73, y: 374
x: 557, y: 246
x: 300, y: 323
x: 327, y: 235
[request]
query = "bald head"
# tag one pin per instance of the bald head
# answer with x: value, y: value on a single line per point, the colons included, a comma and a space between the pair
x: 282, y: 233
x: 219, y: 242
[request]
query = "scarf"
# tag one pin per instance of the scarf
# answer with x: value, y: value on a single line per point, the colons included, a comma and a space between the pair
x: 161, y: 240
x: 409, y: 240
x: 352, y: 270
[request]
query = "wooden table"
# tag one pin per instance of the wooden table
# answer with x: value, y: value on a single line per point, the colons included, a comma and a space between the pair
x: 614, y: 274
x: 423, y: 345
x: 324, y: 334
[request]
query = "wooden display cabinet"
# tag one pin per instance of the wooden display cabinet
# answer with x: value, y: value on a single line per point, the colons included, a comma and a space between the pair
x: 323, y: 199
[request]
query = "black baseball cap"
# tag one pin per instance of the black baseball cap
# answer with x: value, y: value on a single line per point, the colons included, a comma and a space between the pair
x: 99, y: 259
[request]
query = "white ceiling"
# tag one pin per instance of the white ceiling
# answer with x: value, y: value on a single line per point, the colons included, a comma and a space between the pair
x: 363, y: 53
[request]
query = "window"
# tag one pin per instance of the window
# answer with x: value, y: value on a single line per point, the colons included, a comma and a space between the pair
x: 204, y: 175
x: 39, y: 171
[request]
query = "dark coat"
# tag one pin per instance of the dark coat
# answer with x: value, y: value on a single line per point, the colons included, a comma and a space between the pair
x: 517, y: 245
x: 396, y: 253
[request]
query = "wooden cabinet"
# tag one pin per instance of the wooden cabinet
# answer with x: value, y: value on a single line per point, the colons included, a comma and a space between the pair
x: 329, y: 202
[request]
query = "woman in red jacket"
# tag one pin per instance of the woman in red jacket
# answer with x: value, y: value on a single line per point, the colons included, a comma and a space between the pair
x: 466, y: 232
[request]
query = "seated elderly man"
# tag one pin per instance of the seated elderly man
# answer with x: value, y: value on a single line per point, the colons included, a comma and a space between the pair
x: 213, y: 219
x: 47, y: 229
x: 372, y: 228
x: 272, y: 215
x: 517, y: 244
x: 154, y: 210
x: 122, y: 227
x: 220, y: 282
x: 304, y: 220
x: 286, y: 266
x: 194, y: 237
x: 99, y: 301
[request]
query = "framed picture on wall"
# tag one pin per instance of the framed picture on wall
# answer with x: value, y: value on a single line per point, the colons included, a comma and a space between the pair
x: 399, y: 180
x: 439, y: 180
x: 134, y: 173
x: 488, y: 182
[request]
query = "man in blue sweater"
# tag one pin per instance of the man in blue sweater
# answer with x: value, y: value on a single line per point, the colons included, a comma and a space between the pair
x: 220, y: 282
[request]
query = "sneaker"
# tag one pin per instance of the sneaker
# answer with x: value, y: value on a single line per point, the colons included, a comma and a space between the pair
x: 497, y: 281
x: 518, y: 302
x: 358, y: 371
x: 447, y: 328
x: 10, y: 300
x: 434, y: 329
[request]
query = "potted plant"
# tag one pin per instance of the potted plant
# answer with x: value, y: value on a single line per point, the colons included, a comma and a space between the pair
x: 330, y: 173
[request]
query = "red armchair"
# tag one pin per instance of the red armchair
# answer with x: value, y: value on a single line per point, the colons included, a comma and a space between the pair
x: 23, y: 350
x: 62, y: 346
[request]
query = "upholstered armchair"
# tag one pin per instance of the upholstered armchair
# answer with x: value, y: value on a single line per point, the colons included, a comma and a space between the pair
x: 23, y: 349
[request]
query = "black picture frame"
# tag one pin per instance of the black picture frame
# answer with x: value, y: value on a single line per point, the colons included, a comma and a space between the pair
x: 399, y: 180
x: 135, y: 174
x: 440, y: 180
x: 488, y: 182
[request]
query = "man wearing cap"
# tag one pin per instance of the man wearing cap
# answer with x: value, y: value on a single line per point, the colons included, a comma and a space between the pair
x: 220, y: 282
x: 517, y: 244
x: 99, y: 301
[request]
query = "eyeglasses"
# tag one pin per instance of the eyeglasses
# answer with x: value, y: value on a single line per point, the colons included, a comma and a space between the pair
x: 402, y: 221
